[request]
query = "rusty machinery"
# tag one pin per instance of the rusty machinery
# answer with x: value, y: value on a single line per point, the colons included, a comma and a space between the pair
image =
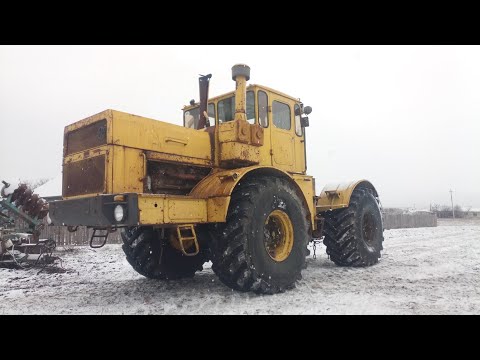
x: 20, y: 245
x: 230, y: 186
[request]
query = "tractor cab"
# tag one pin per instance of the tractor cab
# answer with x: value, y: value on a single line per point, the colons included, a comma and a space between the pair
x: 279, y: 118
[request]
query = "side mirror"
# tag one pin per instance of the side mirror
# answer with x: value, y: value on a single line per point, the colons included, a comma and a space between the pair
x: 304, y: 122
x: 307, y: 110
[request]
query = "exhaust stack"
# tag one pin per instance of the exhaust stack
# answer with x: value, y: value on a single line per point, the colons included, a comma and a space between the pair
x: 203, y: 82
x: 240, y: 74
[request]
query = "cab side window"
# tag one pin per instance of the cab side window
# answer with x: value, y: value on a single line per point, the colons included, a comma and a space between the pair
x: 281, y: 115
x: 263, y: 109
x: 226, y: 109
x: 298, y: 124
x: 250, y: 107
x: 191, y: 118
x: 211, y: 113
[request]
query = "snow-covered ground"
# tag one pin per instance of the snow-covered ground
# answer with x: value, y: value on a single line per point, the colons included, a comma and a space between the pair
x: 422, y: 271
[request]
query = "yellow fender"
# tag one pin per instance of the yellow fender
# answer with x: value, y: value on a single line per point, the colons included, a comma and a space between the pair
x: 219, y: 185
x: 337, y: 196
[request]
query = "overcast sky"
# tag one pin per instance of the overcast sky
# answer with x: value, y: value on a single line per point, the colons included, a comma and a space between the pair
x: 405, y: 117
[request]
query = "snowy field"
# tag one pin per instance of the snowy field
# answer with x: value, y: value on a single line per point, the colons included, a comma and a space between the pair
x: 422, y: 271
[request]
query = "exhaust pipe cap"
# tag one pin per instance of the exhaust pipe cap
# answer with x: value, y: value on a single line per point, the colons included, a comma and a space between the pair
x: 240, y: 70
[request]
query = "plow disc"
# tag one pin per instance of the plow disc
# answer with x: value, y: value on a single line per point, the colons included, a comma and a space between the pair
x: 21, y: 248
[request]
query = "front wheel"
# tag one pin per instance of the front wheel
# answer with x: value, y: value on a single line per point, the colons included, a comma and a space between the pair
x: 155, y: 258
x: 263, y: 244
x: 354, y: 235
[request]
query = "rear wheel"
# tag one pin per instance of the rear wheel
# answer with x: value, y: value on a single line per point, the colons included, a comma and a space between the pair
x: 262, y: 245
x: 154, y: 257
x: 354, y: 235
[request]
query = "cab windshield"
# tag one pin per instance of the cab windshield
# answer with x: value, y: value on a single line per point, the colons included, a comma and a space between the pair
x: 191, y: 118
x: 225, y: 109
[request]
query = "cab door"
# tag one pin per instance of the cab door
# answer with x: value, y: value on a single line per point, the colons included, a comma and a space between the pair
x: 282, y: 134
x: 299, y: 139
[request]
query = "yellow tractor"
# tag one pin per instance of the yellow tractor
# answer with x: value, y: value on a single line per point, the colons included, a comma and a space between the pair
x: 229, y: 187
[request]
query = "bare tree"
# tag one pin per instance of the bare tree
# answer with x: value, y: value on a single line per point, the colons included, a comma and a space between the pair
x: 34, y: 183
x: 459, y: 213
x: 445, y: 211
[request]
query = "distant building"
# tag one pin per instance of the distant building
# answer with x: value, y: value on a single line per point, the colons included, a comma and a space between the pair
x: 426, y: 211
x: 472, y: 212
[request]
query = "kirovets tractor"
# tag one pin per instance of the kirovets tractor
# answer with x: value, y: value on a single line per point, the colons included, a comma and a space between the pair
x: 230, y: 186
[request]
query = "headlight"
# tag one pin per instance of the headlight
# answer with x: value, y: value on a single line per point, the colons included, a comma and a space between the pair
x: 119, y: 213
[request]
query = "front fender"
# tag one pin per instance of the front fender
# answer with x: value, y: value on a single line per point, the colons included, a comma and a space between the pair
x: 219, y: 185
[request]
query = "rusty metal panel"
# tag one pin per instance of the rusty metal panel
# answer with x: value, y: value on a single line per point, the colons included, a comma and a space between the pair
x: 217, y: 208
x: 167, y: 178
x: 234, y: 131
x: 177, y: 159
x: 164, y: 209
x: 84, y: 177
x: 128, y: 170
x: 86, y: 137
x: 243, y: 131
x: 186, y: 210
x: 151, y: 209
x: 235, y: 155
x: 221, y: 183
x: 227, y: 131
x: 256, y: 135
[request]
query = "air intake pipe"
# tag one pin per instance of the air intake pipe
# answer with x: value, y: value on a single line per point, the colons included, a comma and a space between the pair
x: 241, y: 74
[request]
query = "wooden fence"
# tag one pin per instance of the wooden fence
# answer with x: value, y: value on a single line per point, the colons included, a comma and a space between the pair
x: 414, y: 220
x: 63, y: 237
x: 82, y: 236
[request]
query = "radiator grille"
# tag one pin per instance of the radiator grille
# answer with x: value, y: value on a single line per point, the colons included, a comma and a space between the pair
x: 87, y: 137
x: 84, y: 177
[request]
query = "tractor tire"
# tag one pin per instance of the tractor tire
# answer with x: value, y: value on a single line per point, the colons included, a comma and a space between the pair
x: 354, y: 235
x: 155, y: 258
x: 263, y: 244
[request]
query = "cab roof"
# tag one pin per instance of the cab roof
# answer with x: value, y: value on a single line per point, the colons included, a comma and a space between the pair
x: 249, y: 87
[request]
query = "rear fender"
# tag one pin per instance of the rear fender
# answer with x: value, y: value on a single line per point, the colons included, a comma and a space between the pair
x: 337, y: 196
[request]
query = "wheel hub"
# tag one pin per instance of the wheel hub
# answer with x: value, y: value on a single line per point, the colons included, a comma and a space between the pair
x: 278, y: 235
